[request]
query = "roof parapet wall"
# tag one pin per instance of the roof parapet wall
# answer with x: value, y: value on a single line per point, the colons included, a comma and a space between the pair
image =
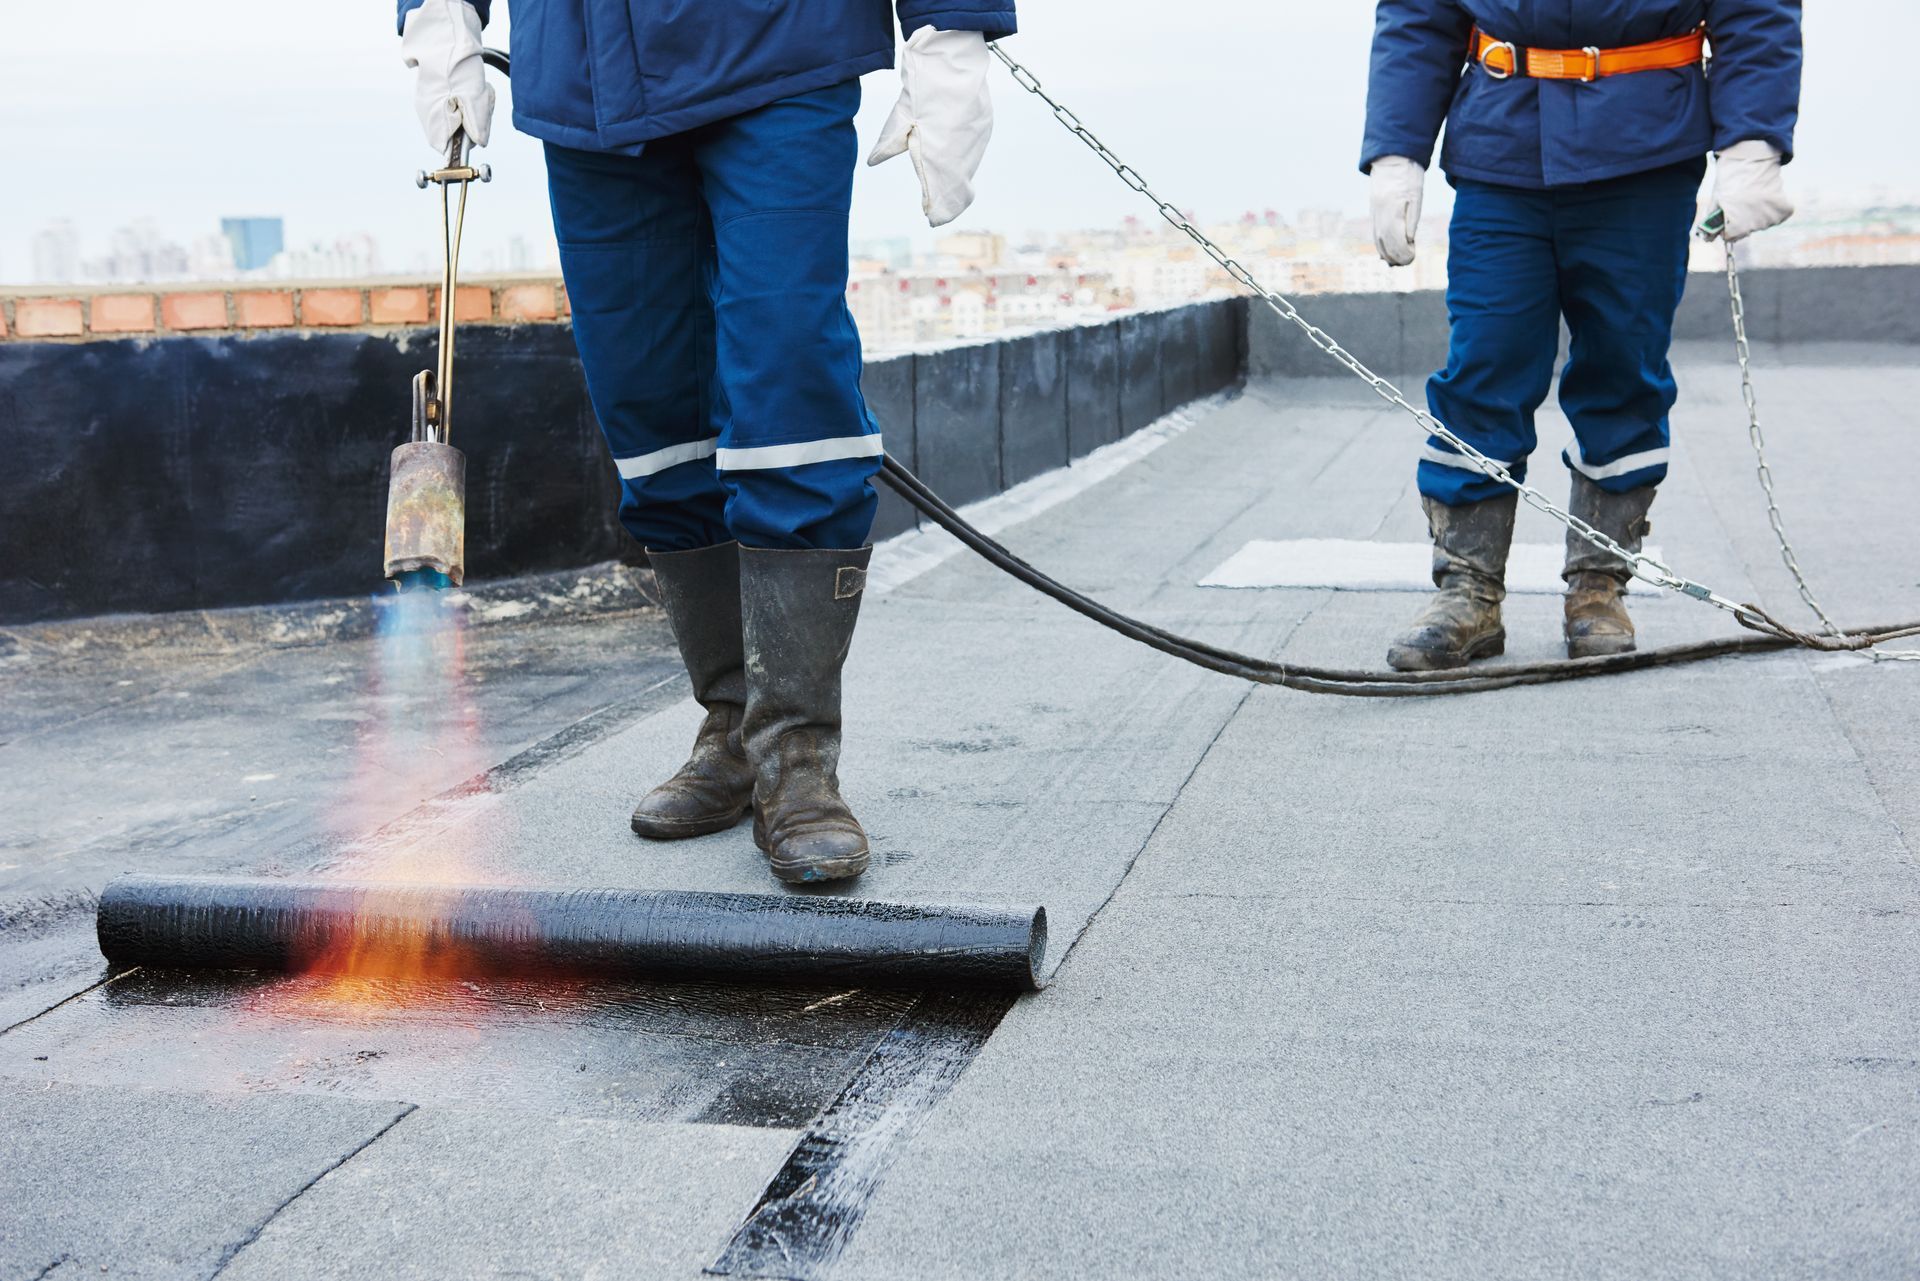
x: 225, y: 467
x: 1404, y: 335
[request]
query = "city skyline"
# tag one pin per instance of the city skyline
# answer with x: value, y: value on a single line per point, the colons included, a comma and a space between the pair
x: 139, y: 252
x: 1219, y: 110
x: 1825, y: 232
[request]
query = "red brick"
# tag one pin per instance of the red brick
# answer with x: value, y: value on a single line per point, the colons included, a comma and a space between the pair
x: 3, y: 321
x: 527, y: 302
x: 330, y: 306
x: 271, y: 310
x: 123, y: 314
x: 473, y: 302
x: 398, y: 306
x: 48, y: 318
x: 193, y: 311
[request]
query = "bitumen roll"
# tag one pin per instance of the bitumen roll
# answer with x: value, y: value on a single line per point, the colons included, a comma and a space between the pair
x: 462, y: 931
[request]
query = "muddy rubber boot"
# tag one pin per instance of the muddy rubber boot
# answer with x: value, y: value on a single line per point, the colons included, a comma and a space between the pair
x: 799, y: 608
x: 1596, y: 608
x: 700, y: 591
x: 1461, y: 621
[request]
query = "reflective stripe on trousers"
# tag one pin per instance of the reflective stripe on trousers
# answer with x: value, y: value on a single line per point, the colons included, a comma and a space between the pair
x: 707, y: 278
x: 1611, y: 258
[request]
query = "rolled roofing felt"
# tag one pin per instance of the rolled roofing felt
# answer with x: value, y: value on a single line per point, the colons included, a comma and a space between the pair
x: 228, y: 923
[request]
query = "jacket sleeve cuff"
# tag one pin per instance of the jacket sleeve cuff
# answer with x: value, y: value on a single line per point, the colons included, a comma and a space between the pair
x: 481, y: 7
x: 1732, y: 135
x: 1420, y: 153
x: 992, y: 23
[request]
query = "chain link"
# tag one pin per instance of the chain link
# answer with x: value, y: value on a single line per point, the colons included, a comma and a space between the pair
x: 1643, y: 566
x: 1757, y: 438
x: 1759, y: 442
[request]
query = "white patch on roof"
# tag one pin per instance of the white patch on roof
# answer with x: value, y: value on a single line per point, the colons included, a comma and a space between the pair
x: 1356, y: 565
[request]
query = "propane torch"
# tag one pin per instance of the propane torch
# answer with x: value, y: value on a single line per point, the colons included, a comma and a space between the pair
x: 427, y: 492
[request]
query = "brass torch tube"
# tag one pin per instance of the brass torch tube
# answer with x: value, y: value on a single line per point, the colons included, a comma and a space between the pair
x: 452, y: 222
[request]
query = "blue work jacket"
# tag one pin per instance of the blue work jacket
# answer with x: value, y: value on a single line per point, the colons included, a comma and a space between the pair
x: 607, y: 75
x: 1523, y: 132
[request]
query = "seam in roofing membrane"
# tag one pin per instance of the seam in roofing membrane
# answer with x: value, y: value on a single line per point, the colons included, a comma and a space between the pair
x: 231, y: 1252
x: 69, y: 999
x: 813, y: 1205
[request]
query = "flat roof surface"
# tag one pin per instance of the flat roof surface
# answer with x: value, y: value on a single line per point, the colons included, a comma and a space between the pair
x: 1611, y: 978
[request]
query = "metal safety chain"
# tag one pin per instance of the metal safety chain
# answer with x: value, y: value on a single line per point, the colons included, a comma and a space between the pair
x: 1743, y: 350
x: 1643, y: 566
x: 1759, y: 441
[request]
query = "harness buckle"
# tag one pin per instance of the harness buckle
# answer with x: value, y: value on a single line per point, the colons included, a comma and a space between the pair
x: 1513, y: 60
x: 1593, y: 63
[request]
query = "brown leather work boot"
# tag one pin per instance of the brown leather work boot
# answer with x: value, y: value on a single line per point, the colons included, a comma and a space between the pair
x: 1461, y: 621
x: 1597, y: 621
x: 700, y: 591
x: 798, y: 609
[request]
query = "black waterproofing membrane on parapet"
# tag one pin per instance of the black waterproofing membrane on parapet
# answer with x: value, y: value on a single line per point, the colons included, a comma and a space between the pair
x: 233, y: 923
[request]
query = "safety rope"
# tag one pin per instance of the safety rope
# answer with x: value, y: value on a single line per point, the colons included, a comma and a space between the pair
x: 1640, y: 564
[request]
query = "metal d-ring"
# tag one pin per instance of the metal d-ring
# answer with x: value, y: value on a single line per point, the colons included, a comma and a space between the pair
x: 1513, y: 55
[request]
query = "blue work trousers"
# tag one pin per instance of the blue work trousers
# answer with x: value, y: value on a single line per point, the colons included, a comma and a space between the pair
x: 707, y: 277
x: 1611, y: 257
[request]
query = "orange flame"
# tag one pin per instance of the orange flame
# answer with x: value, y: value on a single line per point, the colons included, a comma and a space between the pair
x: 421, y: 739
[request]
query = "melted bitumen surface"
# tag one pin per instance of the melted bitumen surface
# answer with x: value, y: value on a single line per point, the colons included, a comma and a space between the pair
x: 770, y: 1057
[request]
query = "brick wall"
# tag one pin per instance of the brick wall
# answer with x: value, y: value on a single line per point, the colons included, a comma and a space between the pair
x: 79, y: 315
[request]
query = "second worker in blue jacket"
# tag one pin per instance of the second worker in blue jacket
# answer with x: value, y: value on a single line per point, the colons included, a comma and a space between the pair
x: 700, y: 158
x: 1576, y: 141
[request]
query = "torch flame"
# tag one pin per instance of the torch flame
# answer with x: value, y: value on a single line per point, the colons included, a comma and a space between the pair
x: 423, y: 734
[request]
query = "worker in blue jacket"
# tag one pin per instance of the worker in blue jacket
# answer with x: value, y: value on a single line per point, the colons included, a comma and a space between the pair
x: 1576, y: 141
x: 700, y: 158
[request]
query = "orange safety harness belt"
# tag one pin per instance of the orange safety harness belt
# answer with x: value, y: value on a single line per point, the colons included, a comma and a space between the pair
x: 1502, y: 59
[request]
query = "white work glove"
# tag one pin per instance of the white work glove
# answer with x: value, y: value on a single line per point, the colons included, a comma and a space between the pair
x: 943, y: 119
x: 442, y: 40
x: 1398, y: 187
x: 1748, y: 187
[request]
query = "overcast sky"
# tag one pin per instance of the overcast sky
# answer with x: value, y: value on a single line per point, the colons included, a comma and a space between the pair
x: 186, y: 112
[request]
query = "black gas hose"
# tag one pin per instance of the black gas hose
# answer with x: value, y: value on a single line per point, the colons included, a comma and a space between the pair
x: 1331, y: 680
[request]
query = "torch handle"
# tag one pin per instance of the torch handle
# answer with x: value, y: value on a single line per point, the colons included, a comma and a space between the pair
x: 451, y: 225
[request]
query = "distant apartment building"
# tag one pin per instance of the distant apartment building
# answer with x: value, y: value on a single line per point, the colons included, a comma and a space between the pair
x: 890, y: 252
x: 971, y: 250
x: 1320, y: 252
x: 355, y: 257
x: 936, y: 304
x: 1830, y: 234
x: 1859, y: 249
x: 256, y: 241
x: 56, y: 253
x: 975, y: 284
